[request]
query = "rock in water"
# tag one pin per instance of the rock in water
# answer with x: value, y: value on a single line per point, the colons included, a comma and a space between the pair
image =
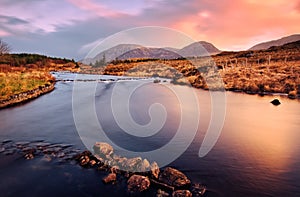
x: 174, y: 178
x: 198, y: 189
x: 112, y: 177
x: 133, y: 163
x: 161, y: 193
x: 275, y: 102
x: 144, y: 166
x: 182, y: 193
x: 84, y: 161
x: 103, y: 148
x: 138, y: 183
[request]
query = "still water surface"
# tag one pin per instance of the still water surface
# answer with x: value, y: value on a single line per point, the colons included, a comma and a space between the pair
x: 257, y: 154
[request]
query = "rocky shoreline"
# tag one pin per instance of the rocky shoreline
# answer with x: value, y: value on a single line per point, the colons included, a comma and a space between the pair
x: 140, y: 176
x: 26, y: 96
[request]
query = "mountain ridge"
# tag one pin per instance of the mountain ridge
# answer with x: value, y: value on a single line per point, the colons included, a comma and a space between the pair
x: 130, y: 51
x: 276, y: 42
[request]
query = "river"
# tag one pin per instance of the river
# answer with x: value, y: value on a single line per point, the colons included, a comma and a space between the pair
x: 257, y: 153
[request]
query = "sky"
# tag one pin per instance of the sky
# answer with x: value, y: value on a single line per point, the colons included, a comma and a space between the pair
x: 71, y: 28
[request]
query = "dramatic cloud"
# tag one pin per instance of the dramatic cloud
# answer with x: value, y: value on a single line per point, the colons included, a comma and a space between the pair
x: 69, y: 28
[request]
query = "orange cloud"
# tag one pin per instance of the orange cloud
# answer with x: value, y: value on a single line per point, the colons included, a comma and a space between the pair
x: 242, y: 22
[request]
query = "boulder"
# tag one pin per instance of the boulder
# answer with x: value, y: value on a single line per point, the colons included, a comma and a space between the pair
x: 112, y: 177
x: 133, y: 163
x: 198, y: 189
x: 182, y: 193
x: 138, y: 183
x: 174, y: 178
x: 275, y: 102
x: 144, y: 166
x: 103, y: 148
x: 154, y: 168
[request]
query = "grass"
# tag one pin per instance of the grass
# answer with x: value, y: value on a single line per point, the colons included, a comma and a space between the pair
x: 21, y: 73
x: 12, y: 83
x: 263, y: 71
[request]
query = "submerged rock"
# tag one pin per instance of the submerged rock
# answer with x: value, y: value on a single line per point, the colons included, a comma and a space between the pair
x: 174, y: 178
x: 138, y: 183
x: 182, y: 193
x: 6, y: 141
x: 2, y: 149
x: 198, y: 189
x: 161, y: 193
x: 275, y: 102
x: 83, y: 158
x: 112, y: 177
x: 29, y: 156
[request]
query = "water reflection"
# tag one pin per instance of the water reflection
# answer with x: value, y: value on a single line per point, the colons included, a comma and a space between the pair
x: 257, y: 154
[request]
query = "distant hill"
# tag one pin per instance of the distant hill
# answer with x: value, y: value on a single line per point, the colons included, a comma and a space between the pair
x: 112, y: 53
x: 129, y: 51
x: 153, y: 53
x: 291, y: 45
x: 201, y: 48
x: 172, y: 49
x: 279, y: 42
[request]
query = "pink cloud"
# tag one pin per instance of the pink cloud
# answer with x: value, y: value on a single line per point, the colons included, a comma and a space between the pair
x: 96, y: 8
x: 3, y: 33
x: 242, y: 23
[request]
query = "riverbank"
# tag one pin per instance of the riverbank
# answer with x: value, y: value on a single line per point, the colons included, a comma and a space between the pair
x: 26, y: 96
x: 252, y: 72
x: 24, y: 77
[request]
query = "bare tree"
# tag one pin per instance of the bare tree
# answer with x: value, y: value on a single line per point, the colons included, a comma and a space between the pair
x: 4, y: 47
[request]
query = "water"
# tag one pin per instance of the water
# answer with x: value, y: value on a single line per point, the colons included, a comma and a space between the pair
x: 257, y: 153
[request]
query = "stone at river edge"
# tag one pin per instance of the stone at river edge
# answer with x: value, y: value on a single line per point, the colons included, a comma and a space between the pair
x: 138, y: 183
x: 275, y: 102
x: 174, y: 178
x: 103, y: 148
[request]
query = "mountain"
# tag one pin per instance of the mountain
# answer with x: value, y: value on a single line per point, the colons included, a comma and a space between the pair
x: 290, y: 45
x: 200, y: 48
x: 129, y: 51
x: 144, y: 52
x: 175, y: 50
x: 279, y: 42
x: 112, y: 53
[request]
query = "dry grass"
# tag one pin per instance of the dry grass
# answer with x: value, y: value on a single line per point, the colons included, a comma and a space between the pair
x: 259, y: 72
x: 12, y: 83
